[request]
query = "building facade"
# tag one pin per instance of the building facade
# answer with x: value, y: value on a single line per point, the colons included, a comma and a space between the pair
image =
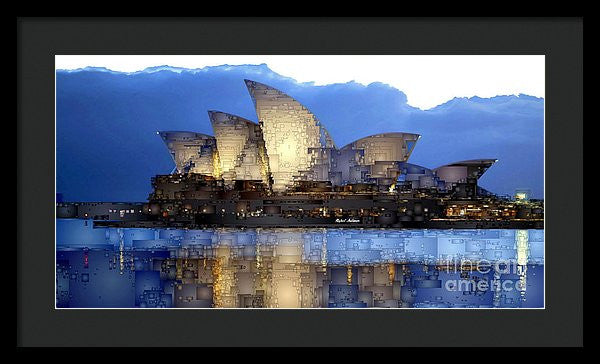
x: 289, y: 145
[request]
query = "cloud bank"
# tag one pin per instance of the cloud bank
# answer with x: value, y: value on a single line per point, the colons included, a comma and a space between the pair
x: 427, y: 80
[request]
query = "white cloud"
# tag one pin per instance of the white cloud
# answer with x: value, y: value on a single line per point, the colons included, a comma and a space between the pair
x: 427, y: 80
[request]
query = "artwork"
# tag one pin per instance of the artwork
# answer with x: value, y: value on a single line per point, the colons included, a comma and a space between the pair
x: 356, y: 182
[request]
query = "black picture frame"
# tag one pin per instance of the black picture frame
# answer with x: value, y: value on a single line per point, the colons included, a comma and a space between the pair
x: 559, y: 39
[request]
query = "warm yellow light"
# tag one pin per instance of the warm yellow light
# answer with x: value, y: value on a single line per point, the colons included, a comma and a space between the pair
x: 521, y: 196
x: 349, y: 274
x: 287, y: 294
x: 287, y: 150
x: 216, y: 165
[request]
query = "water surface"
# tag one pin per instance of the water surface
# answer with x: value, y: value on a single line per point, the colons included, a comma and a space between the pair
x: 297, y: 268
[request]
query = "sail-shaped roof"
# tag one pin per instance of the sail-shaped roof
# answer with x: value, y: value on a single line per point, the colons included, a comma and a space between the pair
x: 290, y: 131
x: 191, y: 152
x: 460, y: 171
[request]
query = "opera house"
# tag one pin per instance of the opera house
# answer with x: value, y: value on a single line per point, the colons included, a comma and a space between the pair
x: 286, y: 171
x: 289, y: 145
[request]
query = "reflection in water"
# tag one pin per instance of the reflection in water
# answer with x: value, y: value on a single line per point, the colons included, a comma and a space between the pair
x: 522, y: 238
x: 298, y: 268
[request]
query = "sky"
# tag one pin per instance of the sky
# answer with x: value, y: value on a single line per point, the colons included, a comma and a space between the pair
x: 426, y: 80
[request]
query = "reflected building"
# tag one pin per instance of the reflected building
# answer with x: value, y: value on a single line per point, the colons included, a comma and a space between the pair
x: 297, y: 268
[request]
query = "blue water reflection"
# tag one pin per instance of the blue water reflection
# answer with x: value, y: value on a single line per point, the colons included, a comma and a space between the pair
x: 298, y: 268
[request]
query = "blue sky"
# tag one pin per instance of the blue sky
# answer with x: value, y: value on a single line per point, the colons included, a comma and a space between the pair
x: 107, y: 147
